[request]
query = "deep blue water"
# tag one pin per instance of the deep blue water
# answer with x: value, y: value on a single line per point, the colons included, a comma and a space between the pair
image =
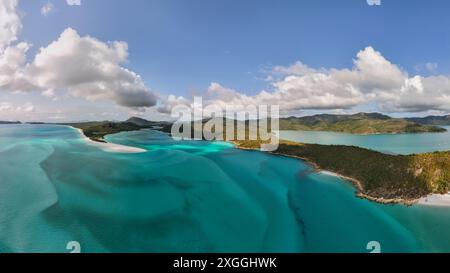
x: 187, y: 197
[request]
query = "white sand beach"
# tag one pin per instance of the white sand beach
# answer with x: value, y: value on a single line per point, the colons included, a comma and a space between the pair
x: 436, y: 200
x: 330, y: 173
x: 111, y: 147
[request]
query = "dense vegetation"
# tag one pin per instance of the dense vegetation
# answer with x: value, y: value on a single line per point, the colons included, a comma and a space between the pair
x: 362, y: 123
x: 377, y: 176
x: 98, y: 130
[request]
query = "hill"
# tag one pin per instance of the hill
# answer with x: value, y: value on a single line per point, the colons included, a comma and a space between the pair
x: 97, y: 130
x: 362, y: 123
x: 432, y: 120
x: 141, y: 121
x: 379, y: 177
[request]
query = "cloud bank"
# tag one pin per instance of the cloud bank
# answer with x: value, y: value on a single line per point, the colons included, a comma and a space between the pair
x: 82, y: 66
x: 372, y: 80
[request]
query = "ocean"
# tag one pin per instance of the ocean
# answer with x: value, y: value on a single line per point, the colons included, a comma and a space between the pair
x: 189, y: 197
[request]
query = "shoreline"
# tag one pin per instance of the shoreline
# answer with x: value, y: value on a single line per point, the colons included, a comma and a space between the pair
x: 435, y: 200
x: 357, y: 184
x: 110, y: 147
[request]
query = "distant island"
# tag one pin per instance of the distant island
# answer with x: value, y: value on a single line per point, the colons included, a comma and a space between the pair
x: 10, y: 122
x: 362, y: 123
x: 432, y: 120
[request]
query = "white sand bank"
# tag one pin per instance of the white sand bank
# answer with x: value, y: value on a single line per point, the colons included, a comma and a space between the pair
x: 437, y: 200
x: 330, y: 173
x: 111, y: 147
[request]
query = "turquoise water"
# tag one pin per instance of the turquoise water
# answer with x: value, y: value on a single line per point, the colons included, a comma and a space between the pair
x: 187, y: 197
x: 397, y: 144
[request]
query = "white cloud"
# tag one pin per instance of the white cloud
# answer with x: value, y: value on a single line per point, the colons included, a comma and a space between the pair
x: 83, y: 66
x: 372, y: 80
x: 10, y: 107
x: 5, y: 106
x: 428, y: 67
x: 10, y: 24
x: 170, y: 101
x: 90, y: 69
x: 298, y: 69
x: 47, y: 9
x: 73, y: 2
x: 27, y: 108
x: 431, y: 66
x: 12, y: 62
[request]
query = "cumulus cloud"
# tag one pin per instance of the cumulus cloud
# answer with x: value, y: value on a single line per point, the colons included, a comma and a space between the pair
x: 10, y: 23
x: 372, y: 80
x: 171, y: 101
x: 85, y: 67
x: 73, y: 2
x: 47, y: 9
x: 90, y: 69
x: 12, y: 63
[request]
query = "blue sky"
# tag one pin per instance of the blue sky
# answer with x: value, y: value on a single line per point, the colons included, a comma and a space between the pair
x: 179, y: 47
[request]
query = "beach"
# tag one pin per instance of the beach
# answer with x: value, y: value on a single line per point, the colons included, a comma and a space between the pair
x: 436, y: 200
x: 110, y: 147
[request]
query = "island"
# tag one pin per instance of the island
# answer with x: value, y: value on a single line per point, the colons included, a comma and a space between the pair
x: 96, y: 131
x: 362, y: 123
x: 10, y: 122
x: 432, y: 120
x: 377, y: 176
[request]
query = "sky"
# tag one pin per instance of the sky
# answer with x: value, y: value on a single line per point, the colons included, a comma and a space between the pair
x: 73, y: 60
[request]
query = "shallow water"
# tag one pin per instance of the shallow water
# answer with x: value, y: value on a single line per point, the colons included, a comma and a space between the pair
x: 393, y: 143
x: 187, y: 197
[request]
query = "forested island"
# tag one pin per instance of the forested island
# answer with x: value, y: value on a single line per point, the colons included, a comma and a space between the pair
x: 10, y: 122
x: 362, y: 123
x: 377, y: 176
x: 96, y: 131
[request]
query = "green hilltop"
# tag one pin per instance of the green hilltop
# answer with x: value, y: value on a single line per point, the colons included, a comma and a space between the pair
x: 432, y: 120
x: 362, y: 123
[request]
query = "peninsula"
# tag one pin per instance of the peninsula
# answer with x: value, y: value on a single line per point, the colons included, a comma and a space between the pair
x: 96, y: 131
x: 378, y: 177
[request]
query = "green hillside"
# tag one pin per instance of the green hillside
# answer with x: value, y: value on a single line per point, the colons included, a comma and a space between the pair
x: 377, y: 176
x: 363, y: 123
